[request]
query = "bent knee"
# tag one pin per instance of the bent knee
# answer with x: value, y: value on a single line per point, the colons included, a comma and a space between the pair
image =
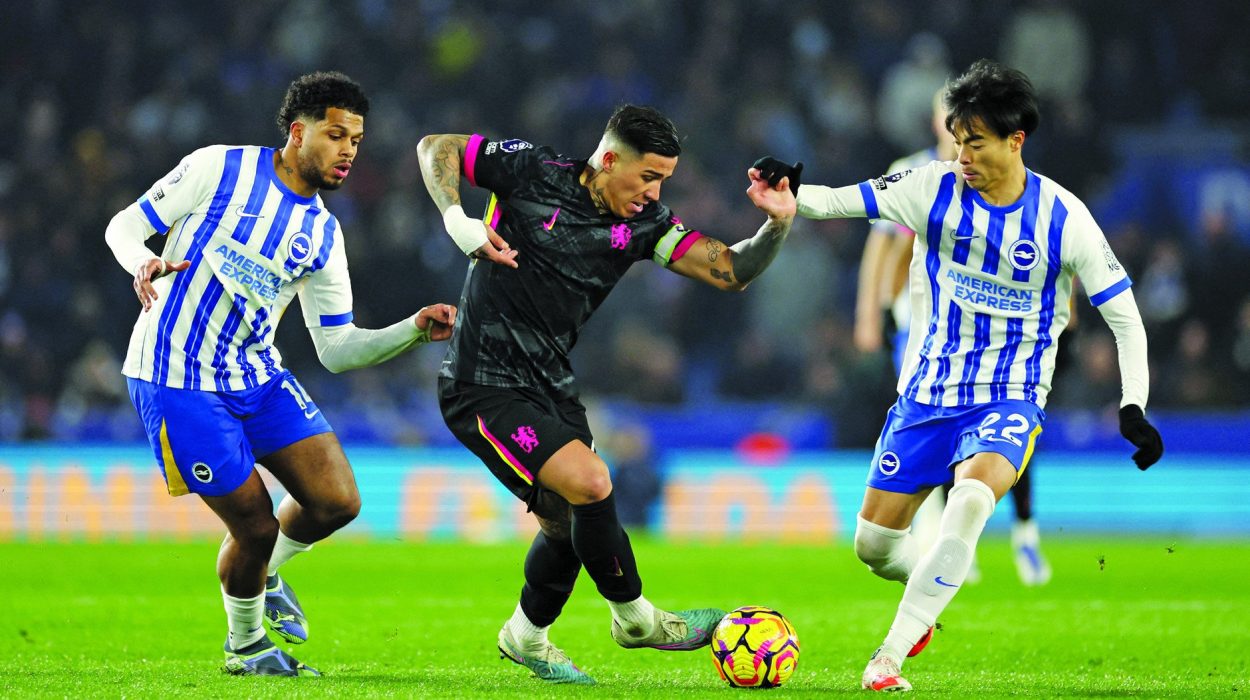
x: 257, y: 534
x: 591, y: 486
x: 890, y: 554
x: 338, y: 510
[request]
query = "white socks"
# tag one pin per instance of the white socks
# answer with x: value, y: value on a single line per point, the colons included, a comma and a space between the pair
x: 940, y: 572
x: 243, y: 615
x: 890, y: 554
x: 283, y: 549
x: 526, y: 634
x: 636, y: 618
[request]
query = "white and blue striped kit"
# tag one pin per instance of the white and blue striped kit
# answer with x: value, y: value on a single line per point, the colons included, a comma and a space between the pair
x: 990, y: 285
x: 253, y: 245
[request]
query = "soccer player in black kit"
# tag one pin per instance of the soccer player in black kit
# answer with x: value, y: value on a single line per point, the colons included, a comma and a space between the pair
x: 557, y: 236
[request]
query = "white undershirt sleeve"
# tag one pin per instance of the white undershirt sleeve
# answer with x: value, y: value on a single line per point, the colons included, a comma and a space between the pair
x: 1121, y: 314
x: 345, y: 346
x: 820, y: 202
x: 125, y: 235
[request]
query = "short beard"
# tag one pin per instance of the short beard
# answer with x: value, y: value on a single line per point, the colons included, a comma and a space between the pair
x: 313, y: 175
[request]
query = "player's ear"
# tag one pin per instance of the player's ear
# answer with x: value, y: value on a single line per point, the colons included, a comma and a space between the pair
x: 297, y: 133
x: 609, y: 160
x: 1017, y: 141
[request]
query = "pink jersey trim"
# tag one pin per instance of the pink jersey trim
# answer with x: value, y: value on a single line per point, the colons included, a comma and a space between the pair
x: 504, y: 454
x: 470, y: 157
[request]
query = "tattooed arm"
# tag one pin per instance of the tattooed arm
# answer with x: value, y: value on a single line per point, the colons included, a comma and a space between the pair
x: 732, y: 268
x: 440, y: 157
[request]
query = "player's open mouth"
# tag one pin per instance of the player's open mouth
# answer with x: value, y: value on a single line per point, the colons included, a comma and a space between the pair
x: 969, y: 175
x: 635, y: 207
x: 342, y: 169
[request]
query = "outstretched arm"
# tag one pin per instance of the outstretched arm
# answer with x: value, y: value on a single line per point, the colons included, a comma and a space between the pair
x: 345, y: 347
x: 440, y: 157
x: 734, y: 267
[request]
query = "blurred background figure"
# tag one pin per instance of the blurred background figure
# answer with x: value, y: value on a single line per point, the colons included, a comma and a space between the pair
x: 1153, y: 136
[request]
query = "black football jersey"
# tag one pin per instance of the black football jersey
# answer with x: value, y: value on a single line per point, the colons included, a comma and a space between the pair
x: 516, y: 326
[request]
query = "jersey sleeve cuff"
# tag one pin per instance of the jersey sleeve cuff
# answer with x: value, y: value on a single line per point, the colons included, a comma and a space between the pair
x: 470, y: 157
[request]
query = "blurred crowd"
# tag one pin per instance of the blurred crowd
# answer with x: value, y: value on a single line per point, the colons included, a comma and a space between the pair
x: 103, y: 98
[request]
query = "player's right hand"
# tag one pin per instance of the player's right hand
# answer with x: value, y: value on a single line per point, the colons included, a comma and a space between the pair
x: 150, y: 271
x: 774, y: 170
x: 496, y: 249
x: 476, y: 239
x: 1137, y: 430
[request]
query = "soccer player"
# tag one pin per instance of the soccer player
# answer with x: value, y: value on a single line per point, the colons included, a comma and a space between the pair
x: 561, y: 232
x: 997, y: 248
x: 883, y: 273
x: 247, y: 232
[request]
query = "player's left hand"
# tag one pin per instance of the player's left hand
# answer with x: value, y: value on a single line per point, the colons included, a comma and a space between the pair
x: 1137, y: 430
x: 776, y: 200
x: 774, y: 170
x: 437, y: 320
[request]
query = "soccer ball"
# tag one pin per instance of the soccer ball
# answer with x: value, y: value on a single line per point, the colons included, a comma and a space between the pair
x: 755, y: 647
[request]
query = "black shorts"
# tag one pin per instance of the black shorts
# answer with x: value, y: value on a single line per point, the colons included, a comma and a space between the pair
x: 514, y: 431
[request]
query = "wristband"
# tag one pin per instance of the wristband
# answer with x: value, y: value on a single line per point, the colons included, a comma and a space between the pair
x: 468, y: 234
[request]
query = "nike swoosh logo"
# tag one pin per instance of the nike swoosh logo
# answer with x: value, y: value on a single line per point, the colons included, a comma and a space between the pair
x: 244, y: 215
x: 552, y: 222
x: 965, y: 238
x: 938, y: 580
x: 309, y: 415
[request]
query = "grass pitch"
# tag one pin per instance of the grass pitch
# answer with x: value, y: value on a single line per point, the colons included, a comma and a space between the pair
x: 1140, y: 618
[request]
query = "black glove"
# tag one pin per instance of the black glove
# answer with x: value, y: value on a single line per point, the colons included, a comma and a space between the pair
x: 772, y: 170
x: 1137, y: 430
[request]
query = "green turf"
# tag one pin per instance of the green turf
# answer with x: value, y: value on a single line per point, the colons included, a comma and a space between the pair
x: 1143, y: 618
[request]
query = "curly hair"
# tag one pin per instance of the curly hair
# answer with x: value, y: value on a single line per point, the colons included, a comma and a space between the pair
x: 311, y: 95
x: 1001, y: 97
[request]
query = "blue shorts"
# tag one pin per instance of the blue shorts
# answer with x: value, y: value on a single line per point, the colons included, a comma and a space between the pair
x: 208, y: 442
x: 920, y: 444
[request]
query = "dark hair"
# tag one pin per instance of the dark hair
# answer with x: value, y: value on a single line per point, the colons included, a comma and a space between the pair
x: 311, y: 95
x: 645, y: 130
x: 999, y: 96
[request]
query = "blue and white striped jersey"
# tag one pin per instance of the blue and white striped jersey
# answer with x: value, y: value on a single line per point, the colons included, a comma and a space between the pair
x: 989, y: 285
x: 253, y: 244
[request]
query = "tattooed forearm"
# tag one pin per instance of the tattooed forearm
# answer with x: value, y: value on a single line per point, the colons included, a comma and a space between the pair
x: 718, y: 275
x: 753, y: 255
x: 713, y: 249
x: 439, y: 157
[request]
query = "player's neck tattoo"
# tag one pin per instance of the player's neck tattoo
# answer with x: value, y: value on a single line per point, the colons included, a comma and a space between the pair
x: 278, y: 157
x: 589, y: 177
